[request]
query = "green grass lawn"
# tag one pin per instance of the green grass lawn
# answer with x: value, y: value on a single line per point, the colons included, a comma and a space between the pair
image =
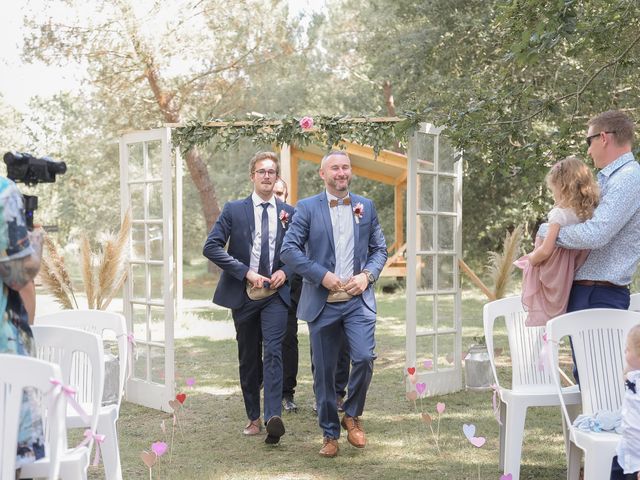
x: 211, y: 445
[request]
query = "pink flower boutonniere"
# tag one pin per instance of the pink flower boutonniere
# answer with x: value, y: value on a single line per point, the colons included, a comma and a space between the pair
x: 358, y: 210
x: 284, y: 218
x: 306, y: 123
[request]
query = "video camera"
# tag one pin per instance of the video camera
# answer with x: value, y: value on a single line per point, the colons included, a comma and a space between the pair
x: 27, y: 169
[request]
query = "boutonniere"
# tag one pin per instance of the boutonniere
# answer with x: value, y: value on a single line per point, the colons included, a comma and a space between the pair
x: 358, y: 210
x: 284, y: 218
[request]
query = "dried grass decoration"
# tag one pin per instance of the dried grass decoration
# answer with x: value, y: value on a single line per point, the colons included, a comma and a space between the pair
x: 102, y: 278
x: 501, y: 265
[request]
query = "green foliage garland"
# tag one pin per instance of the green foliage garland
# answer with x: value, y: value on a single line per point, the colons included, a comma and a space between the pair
x: 377, y: 132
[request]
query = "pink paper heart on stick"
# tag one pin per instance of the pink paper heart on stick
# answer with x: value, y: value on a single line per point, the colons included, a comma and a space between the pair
x: 159, y: 448
x: 469, y: 431
x: 191, y: 381
x: 477, y: 441
x: 508, y: 476
x: 440, y: 407
x: 412, y: 395
x: 428, y: 364
x: 421, y: 388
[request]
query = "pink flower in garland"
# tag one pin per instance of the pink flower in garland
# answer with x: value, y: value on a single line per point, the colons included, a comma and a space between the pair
x: 358, y: 210
x: 284, y: 218
x: 306, y: 123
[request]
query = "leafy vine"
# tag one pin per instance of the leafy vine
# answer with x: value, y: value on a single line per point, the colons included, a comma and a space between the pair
x: 377, y: 132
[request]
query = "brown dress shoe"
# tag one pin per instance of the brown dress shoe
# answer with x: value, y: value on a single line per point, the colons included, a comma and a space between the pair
x: 329, y: 447
x: 254, y: 427
x: 355, y: 432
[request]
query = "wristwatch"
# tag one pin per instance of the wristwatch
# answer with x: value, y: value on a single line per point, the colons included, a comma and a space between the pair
x: 370, y: 276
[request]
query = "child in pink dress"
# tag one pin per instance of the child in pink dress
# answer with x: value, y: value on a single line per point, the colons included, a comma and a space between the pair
x: 548, y: 271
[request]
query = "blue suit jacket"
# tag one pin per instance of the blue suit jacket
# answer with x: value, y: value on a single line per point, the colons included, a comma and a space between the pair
x: 236, y: 225
x: 309, y: 250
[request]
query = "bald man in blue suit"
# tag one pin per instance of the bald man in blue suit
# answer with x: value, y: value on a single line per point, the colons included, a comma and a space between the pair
x: 336, y: 244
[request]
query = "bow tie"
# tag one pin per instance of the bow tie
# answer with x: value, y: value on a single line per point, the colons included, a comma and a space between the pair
x: 342, y: 201
x: 630, y: 385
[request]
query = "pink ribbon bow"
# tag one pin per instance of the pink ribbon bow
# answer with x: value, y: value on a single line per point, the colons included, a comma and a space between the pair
x: 70, y: 393
x: 131, y: 343
x: 98, y: 438
x: 496, y: 404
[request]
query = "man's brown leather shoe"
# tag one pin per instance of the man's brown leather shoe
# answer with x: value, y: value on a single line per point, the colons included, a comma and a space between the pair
x: 329, y: 447
x: 355, y: 432
x: 254, y: 427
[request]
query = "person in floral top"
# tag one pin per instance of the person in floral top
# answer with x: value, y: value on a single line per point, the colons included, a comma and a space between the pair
x: 20, y: 254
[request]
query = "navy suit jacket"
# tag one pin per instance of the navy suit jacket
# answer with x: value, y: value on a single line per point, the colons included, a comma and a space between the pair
x: 309, y: 250
x: 236, y: 225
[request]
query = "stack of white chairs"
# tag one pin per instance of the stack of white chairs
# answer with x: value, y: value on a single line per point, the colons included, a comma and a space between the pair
x: 598, y: 337
x: 18, y: 372
x: 80, y: 357
x: 108, y: 325
x: 531, y: 382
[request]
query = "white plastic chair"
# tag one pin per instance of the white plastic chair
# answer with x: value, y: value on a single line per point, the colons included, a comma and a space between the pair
x: 16, y: 373
x: 598, y: 337
x: 80, y: 356
x: 531, y: 386
x: 100, y: 322
x: 635, y: 302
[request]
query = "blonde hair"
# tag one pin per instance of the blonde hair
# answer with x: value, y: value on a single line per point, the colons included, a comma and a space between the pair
x: 633, y: 340
x: 264, y: 156
x: 575, y: 186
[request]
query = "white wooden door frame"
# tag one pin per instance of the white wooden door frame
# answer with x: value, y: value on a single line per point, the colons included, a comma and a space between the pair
x: 440, y: 377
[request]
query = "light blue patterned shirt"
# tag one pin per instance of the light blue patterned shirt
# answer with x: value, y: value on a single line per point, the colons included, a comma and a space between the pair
x: 613, y: 233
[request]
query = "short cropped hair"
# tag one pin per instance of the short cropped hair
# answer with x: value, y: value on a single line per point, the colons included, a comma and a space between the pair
x: 614, y: 121
x: 334, y: 152
x: 264, y: 156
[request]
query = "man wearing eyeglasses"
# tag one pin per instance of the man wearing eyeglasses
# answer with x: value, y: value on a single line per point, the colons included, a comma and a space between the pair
x: 253, y: 285
x: 613, y: 233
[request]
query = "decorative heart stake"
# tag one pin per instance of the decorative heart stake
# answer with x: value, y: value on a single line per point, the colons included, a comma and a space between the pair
x: 175, y: 405
x: 426, y: 418
x: 421, y: 388
x: 181, y: 397
x: 508, y: 476
x: 440, y: 407
x: 191, y: 382
x: 412, y: 396
x: 428, y: 364
x: 411, y: 370
x: 469, y: 431
x: 477, y: 441
x: 159, y: 448
x: 413, y: 379
x: 149, y: 458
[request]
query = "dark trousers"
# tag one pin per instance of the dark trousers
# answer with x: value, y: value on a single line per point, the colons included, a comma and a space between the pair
x: 583, y: 297
x: 290, y: 342
x: 261, y: 324
x: 618, y: 474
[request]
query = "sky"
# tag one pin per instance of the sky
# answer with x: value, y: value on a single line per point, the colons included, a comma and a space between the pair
x: 19, y: 81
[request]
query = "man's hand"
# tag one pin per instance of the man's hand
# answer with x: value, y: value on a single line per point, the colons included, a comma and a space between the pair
x: 357, y: 284
x: 256, y: 279
x: 331, y: 282
x: 277, y: 279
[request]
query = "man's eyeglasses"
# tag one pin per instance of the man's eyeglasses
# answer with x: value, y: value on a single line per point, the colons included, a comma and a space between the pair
x: 263, y: 173
x: 590, y: 138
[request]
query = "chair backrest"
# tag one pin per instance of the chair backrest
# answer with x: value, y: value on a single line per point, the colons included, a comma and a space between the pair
x: 80, y: 356
x: 98, y: 322
x: 525, y: 342
x: 635, y: 302
x: 18, y: 372
x: 598, y: 337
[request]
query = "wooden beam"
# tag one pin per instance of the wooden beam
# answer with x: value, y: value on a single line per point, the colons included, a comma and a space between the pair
x: 244, y: 123
x: 293, y: 185
x: 385, y: 156
x: 474, y: 278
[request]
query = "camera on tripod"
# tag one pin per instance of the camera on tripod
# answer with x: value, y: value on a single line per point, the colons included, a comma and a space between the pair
x: 27, y: 169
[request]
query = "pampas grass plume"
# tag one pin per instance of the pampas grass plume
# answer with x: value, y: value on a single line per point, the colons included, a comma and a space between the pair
x: 501, y: 264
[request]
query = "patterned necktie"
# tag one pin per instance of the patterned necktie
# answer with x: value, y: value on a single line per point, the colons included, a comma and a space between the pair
x: 263, y: 266
x: 342, y: 201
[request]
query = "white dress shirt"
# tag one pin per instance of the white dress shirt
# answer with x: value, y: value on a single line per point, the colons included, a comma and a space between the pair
x: 342, y: 223
x: 257, y: 231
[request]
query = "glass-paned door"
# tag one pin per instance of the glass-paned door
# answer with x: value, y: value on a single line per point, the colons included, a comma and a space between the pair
x: 150, y: 181
x: 434, y: 213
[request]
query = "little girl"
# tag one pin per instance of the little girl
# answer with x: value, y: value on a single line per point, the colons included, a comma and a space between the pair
x: 626, y: 466
x: 549, y: 270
